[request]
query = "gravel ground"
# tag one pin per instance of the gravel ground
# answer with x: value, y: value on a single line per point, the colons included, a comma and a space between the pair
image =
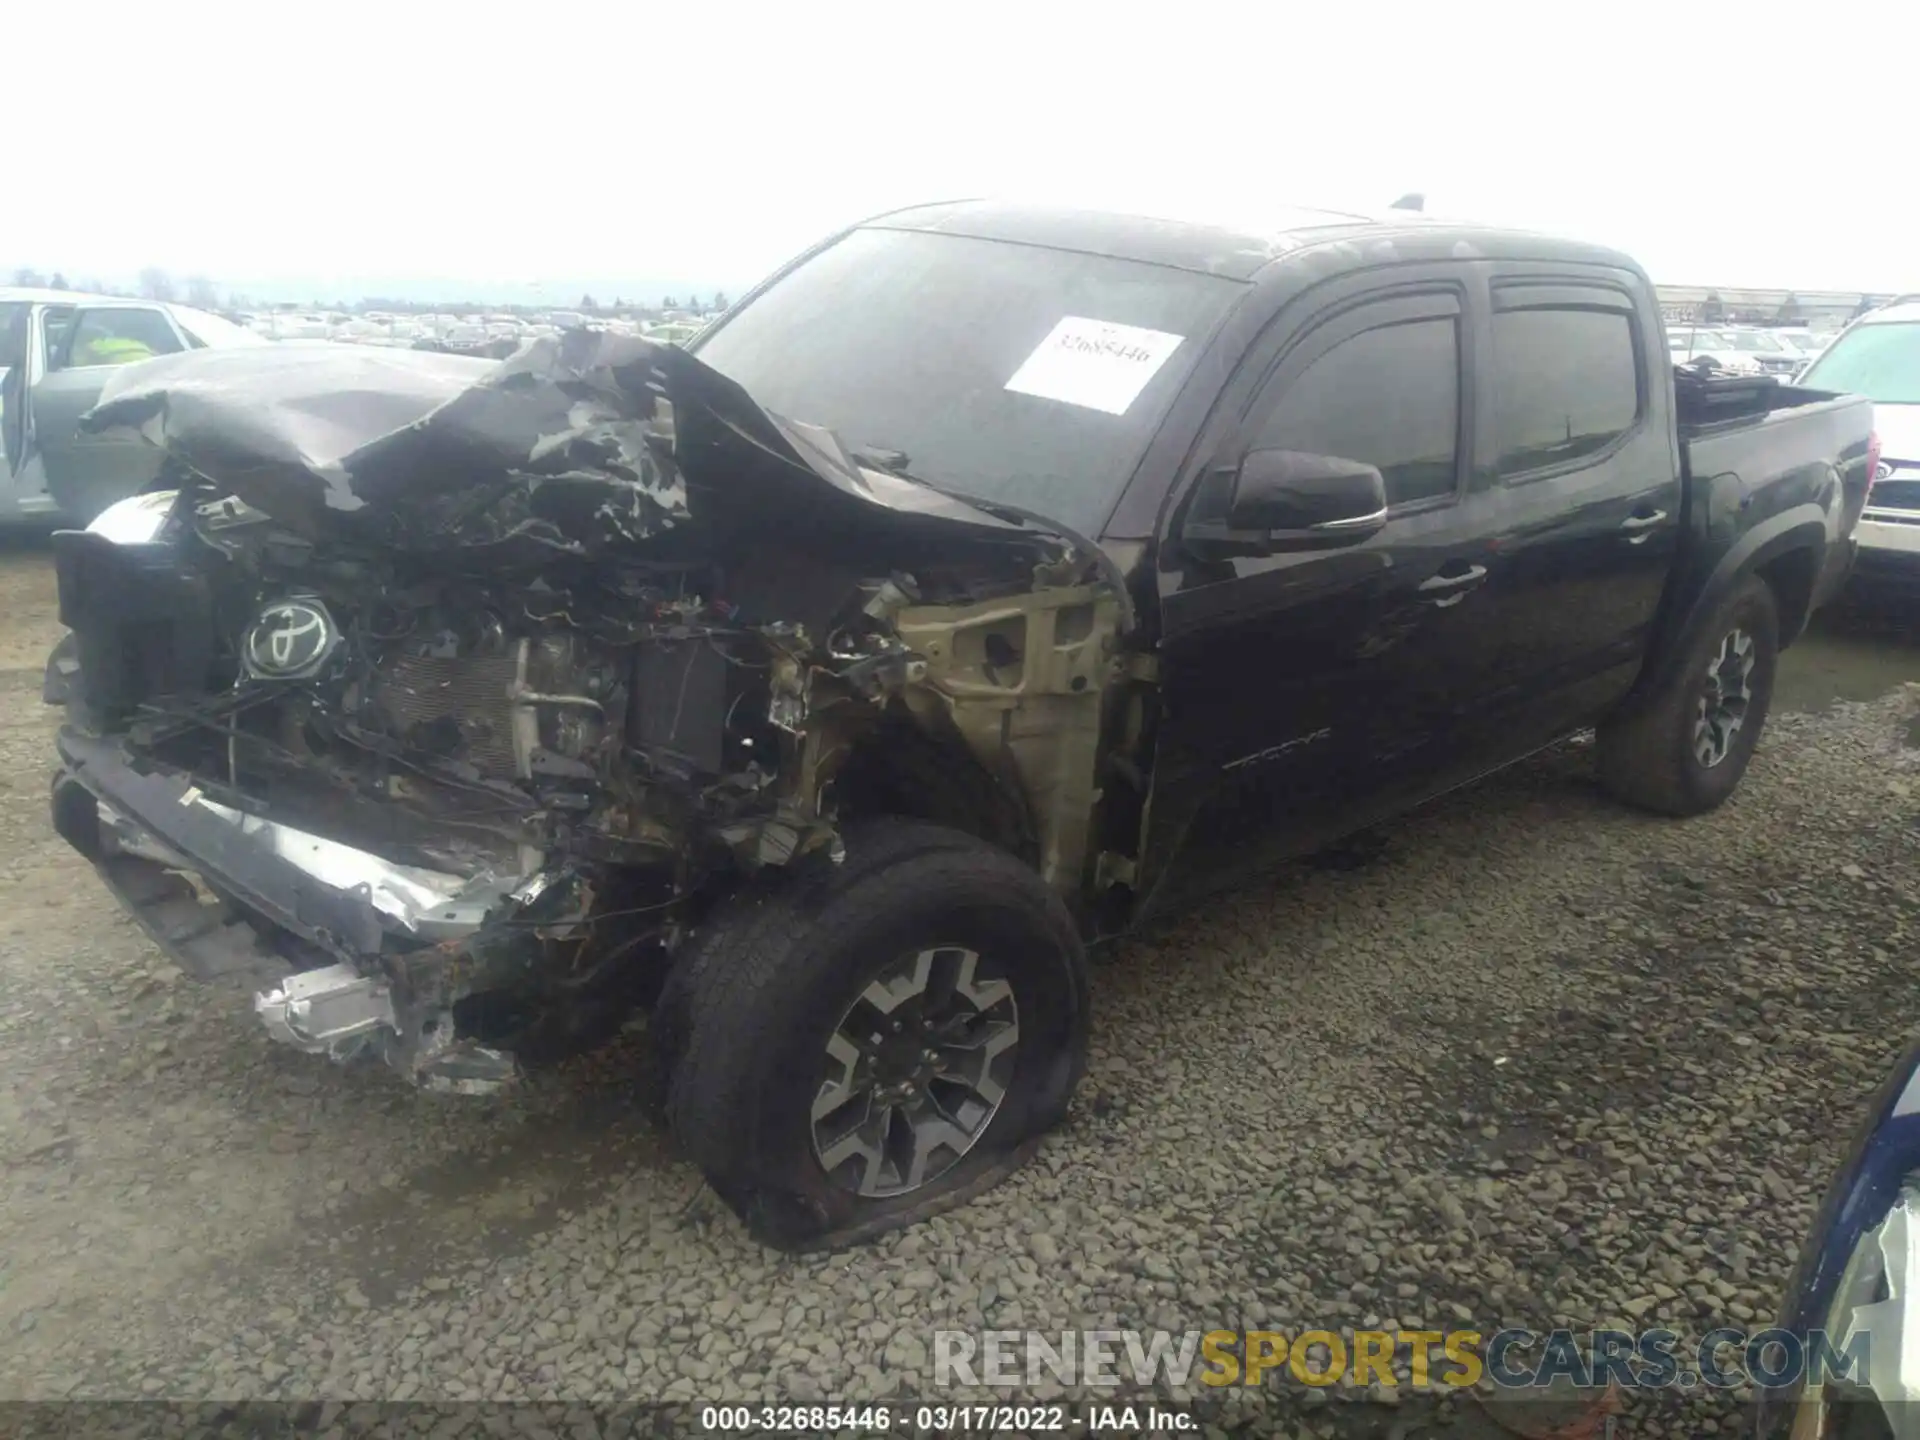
x: 1527, y: 1059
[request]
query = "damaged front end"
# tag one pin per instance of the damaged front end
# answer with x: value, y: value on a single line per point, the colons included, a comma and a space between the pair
x: 441, y: 696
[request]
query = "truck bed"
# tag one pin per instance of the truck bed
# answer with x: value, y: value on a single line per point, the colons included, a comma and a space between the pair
x: 1755, y: 454
x: 1761, y: 430
x: 1709, y: 408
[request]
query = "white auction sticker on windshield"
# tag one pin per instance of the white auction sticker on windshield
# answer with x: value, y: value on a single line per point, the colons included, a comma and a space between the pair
x: 1094, y: 363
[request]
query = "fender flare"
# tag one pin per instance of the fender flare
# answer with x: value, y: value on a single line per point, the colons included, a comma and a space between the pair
x: 1801, y: 528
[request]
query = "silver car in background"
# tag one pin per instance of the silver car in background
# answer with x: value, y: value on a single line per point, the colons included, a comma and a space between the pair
x: 57, y: 349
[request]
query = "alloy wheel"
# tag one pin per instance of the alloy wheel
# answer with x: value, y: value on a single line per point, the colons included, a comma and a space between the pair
x: 914, y: 1072
x: 1725, y: 698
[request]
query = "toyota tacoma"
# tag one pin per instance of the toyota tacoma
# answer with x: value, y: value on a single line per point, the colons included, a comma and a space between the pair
x: 989, y: 579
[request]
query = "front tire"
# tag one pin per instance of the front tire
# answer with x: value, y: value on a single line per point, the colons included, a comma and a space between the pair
x: 865, y: 1044
x: 1685, y: 750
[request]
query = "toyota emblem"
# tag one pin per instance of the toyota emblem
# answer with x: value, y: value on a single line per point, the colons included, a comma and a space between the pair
x: 291, y: 640
x: 1882, y: 471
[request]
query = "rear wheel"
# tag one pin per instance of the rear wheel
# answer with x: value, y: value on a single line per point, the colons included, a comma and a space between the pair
x: 1685, y: 750
x: 877, y: 1040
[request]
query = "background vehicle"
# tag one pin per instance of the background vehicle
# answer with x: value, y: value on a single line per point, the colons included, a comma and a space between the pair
x: 1715, y: 347
x: 1878, y: 356
x: 1853, y: 1279
x: 57, y: 348
x: 673, y: 334
x: 1805, y: 344
x: 1102, y: 562
x: 1772, y: 354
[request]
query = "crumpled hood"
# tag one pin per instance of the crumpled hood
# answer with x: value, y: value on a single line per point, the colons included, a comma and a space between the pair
x: 573, y: 444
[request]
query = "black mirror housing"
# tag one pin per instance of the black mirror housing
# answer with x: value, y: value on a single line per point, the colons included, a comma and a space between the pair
x: 1282, y: 500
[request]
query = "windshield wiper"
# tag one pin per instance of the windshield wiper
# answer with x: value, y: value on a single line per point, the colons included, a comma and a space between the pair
x: 894, y: 462
x: 879, y: 457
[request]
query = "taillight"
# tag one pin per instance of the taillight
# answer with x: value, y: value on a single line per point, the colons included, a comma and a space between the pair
x: 1873, y: 457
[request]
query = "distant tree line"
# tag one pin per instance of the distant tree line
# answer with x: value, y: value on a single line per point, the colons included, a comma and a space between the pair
x: 201, y: 293
x: 32, y: 279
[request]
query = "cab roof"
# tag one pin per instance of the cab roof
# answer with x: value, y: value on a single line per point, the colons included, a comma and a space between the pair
x: 1239, y: 250
x: 1905, y: 310
x: 40, y: 295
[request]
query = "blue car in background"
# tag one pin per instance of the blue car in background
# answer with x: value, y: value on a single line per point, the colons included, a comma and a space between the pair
x: 1855, y: 1294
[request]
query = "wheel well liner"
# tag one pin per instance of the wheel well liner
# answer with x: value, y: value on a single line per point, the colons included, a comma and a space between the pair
x: 1791, y: 576
x: 899, y: 769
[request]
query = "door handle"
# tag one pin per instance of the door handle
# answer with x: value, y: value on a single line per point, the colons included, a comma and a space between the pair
x: 1472, y: 575
x: 1640, y: 527
x: 1443, y: 590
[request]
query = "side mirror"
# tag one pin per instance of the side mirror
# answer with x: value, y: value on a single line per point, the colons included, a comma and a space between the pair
x: 1282, y: 500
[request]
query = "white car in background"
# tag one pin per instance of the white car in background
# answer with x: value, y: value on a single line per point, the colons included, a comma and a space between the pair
x: 1878, y: 356
x: 1805, y: 343
x: 1690, y: 346
x: 1772, y: 354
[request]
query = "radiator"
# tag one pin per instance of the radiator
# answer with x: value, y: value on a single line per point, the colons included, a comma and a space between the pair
x: 421, y: 693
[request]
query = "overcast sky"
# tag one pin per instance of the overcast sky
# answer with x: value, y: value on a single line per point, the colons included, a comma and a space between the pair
x: 507, y: 144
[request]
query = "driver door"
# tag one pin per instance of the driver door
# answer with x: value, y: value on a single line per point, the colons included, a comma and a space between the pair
x: 1307, y: 694
x: 22, y: 454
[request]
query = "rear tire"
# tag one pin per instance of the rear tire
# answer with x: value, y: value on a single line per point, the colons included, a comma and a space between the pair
x: 1684, y: 751
x: 764, y: 1032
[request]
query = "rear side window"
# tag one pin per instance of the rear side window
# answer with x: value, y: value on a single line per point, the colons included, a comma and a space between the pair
x: 1566, y: 384
x: 1389, y: 398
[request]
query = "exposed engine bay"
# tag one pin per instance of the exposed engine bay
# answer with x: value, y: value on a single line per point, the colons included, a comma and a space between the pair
x: 462, y: 686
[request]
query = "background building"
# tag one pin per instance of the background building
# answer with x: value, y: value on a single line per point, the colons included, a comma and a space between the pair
x: 1710, y: 306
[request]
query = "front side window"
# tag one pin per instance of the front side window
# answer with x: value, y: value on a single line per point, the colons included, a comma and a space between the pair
x: 1881, y: 362
x: 120, y: 335
x: 1566, y: 384
x: 1389, y: 398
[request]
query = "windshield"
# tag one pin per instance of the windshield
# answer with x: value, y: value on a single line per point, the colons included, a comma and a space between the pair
x: 212, y: 330
x: 1881, y: 362
x: 1754, y: 341
x: 1008, y: 372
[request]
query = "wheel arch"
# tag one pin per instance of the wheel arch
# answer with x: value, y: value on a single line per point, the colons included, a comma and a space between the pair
x: 1786, y: 550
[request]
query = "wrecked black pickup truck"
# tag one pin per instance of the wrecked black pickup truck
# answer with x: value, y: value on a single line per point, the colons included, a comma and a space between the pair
x: 988, y: 580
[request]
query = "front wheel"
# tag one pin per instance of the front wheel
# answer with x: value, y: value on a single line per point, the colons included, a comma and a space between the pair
x: 1684, y: 751
x: 876, y: 1040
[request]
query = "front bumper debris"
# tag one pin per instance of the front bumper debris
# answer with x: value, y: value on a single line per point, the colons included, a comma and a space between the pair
x: 323, y: 1010
x: 302, y: 922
